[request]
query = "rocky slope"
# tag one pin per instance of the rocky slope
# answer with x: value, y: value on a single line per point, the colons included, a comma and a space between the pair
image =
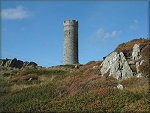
x: 128, y: 60
x: 118, y: 83
x: 14, y: 63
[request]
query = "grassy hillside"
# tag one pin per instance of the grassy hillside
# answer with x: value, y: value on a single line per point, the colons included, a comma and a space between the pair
x: 68, y: 89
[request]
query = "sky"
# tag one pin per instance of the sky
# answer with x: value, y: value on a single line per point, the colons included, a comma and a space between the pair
x: 33, y: 30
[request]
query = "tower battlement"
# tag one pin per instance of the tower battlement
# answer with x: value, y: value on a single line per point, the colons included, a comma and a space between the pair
x: 70, y: 23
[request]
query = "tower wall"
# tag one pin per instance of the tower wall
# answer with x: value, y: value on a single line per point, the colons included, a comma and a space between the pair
x: 70, y: 42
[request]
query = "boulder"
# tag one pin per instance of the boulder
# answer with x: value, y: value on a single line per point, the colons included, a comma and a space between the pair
x: 76, y: 66
x: 141, y: 62
x: 131, y: 62
x: 120, y: 86
x: 133, y: 68
x: 137, y: 67
x: 95, y: 67
x: 136, y: 52
x: 2, y: 62
x: 117, y: 66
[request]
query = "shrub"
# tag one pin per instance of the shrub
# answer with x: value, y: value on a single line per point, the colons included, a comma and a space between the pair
x: 12, y: 100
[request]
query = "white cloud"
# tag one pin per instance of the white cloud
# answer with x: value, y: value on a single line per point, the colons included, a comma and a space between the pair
x: 15, y: 13
x: 134, y: 25
x: 103, y: 34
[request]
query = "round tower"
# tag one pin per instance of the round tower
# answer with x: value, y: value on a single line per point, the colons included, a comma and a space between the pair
x: 70, y: 42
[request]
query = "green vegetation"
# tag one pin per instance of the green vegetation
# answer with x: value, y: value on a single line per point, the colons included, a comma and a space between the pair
x: 42, y: 71
x: 58, y: 90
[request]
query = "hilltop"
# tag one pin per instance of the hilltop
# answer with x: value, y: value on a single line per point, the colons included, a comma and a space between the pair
x: 117, y: 83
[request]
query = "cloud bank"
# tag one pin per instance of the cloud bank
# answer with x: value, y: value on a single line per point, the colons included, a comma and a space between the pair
x: 17, y: 13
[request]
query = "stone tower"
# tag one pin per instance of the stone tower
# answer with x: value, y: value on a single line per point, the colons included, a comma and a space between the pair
x: 70, y: 42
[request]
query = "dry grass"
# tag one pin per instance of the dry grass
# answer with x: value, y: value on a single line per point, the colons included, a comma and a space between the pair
x: 129, y: 45
x: 126, y: 48
x: 42, y: 80
x: 136, y: 85
x: 58, y: 89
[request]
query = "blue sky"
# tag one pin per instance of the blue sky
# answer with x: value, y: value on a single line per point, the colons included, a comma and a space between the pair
x: 33, y: 30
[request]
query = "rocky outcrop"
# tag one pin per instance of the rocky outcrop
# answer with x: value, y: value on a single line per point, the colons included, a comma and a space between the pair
x: 136, y: 52
x: 29, y: 64
x: 136, y: 56
x: 117, y: 66
x: 14, y: 63
x: 122, y: 66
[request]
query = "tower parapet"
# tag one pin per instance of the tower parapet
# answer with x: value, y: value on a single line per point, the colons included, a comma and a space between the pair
x: 71, y: 23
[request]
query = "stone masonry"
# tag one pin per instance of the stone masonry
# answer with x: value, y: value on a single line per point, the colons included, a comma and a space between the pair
x: 70, y: 42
